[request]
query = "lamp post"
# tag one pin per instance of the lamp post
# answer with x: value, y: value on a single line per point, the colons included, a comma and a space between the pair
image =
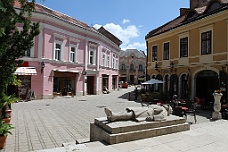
x: 85, y: 81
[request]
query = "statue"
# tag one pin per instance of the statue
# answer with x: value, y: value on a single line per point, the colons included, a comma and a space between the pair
x: 150, y: 113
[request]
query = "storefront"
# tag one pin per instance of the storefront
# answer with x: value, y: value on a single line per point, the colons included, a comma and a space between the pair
x: 64, y: 83
x: 114, y: 82
x: 105, y: 80
x: 24, y: 91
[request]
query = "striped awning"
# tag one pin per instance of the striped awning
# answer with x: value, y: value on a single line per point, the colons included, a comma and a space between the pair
x: 25, y: 71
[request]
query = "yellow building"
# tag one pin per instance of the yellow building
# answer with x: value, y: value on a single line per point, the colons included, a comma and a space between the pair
x: 190, y: 52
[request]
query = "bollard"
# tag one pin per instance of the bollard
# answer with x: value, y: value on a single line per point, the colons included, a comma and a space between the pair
x: 129, y: 96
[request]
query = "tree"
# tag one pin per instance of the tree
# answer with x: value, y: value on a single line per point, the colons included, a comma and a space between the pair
x: 14, y: 41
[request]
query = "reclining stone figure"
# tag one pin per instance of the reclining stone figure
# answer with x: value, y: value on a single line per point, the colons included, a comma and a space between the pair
x: 150, y: 113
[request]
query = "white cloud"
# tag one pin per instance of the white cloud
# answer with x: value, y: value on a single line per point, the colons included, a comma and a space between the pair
x: 137, y: 45
x: 97, y: 26
x: 126, y: 21
x: 126, y: 35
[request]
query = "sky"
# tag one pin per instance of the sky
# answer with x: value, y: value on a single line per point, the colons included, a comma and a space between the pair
x: 128, y: 20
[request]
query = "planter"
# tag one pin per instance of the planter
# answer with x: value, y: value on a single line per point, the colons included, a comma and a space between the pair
x: 2, y: 141
x: 217, y: 106
x: 6, y: 120
x: 8, y: 113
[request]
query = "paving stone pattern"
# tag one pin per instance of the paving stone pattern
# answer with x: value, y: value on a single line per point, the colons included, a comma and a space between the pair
x: 45, y: 124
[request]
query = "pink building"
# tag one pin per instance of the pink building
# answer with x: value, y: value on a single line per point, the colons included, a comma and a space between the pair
x: 69, y: 57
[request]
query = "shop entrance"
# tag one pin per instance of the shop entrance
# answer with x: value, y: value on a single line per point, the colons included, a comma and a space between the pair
x: 90, y: 85
x: 206, y: 82
x: 64, y: 83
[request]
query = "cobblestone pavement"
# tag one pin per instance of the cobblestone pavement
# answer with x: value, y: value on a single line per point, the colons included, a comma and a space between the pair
x: 45, y: 124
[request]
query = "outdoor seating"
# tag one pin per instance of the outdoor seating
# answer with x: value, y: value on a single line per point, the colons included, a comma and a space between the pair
x: 188, y: 108
x: 224, y: 111
x: 177, y: 110
x: 199, y: 103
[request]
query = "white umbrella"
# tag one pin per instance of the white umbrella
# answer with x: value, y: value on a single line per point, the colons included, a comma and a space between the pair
x: 153, y: 81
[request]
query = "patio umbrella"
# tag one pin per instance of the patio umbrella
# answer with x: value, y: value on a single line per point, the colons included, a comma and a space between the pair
x: 153, y: 81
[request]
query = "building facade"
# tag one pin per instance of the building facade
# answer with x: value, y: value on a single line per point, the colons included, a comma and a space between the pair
x: 190, y: 53
x: 132, y: 66
x: 69, y: 57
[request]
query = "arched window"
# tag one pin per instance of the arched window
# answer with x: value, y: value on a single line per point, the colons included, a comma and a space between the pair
x: 123, y: 67
x: 140, y: 67
x: 132, y: 67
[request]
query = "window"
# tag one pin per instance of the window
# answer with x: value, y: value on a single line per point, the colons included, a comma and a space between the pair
x: 72, y: 54
x: 140, y: 67
x: 123, y: 67
x: 132, y: 67
x: 57, y: 52
x: 117, y: 63
x: 91, y: 57
x: 206, y: 38
x: 108, y: 60
x: 113, y: 62
x: 27, y: 53
x: 166, y: 51
x: 103, y: 59
x: 184, y: 47
x: 154, y: 53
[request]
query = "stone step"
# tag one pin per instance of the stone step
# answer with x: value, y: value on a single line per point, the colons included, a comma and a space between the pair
x: 127, y: 126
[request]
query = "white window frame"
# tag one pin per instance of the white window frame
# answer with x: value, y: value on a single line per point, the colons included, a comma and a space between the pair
x: 103, y: 58
x: 61, y: 46
x: 108, y: 60
x: 117, y: 63
x: 73, y: 43
x: 92, y: 48
x: 113, y: 62
x: 75, y: 53
x: 61, y: 50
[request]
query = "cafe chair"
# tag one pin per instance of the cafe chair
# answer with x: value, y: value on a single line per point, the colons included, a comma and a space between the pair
x: 189, y: 108
x: 177, y: 111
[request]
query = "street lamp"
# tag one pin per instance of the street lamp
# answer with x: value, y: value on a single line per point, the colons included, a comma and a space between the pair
x: 83, y: 72
x: 172, y: 67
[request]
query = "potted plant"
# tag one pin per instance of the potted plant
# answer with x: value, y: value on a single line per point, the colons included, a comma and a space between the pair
x: 4, y: 131
x: 6, y: 107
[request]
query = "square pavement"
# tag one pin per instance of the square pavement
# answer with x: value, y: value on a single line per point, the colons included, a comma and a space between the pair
x: 44, y: 125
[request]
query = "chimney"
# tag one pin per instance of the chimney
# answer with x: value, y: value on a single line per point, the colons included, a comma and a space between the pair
x: 183, y: 11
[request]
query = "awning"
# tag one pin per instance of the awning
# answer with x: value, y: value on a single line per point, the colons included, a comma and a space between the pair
x: 67, y: 70
x: 25, y: 71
